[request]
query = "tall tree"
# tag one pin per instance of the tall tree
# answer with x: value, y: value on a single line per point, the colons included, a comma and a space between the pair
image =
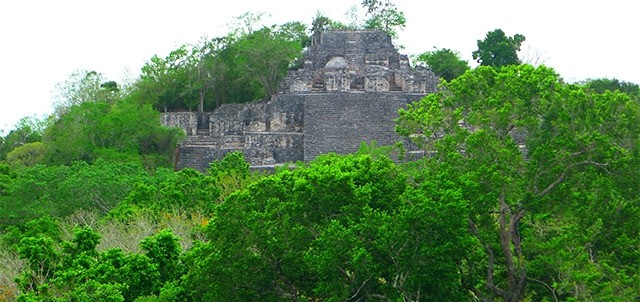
x: 164, y: 81
x: 206, y: 68
x: 242, y: 66
x: 26, y: 155
x: 497, y: 49
x: 84, y: 86
x: 256, y: 60
x: 444, y: 62
x: 384, y: 15
x: 89, y: 130
x: 523, y: 146
x: 266, y: 55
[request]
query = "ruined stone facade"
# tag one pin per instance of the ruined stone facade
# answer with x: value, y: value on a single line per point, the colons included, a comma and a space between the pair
x: 349, y: 90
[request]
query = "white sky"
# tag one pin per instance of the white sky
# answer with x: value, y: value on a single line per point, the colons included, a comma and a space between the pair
x: 42, y: 41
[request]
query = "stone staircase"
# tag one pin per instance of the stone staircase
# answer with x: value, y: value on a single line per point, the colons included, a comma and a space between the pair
x: 259, y: 148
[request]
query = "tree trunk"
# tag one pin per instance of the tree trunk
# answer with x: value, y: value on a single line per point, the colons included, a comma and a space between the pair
x: 513, y: 257
x: 509, y: 235
x: 201, y: 103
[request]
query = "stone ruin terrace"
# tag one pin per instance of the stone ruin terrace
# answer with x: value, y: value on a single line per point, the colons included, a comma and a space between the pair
x: 349, y: 90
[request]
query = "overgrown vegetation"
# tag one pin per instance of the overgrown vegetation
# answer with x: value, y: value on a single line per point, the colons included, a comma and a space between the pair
x: 528, y: 191
x: 245, y: 65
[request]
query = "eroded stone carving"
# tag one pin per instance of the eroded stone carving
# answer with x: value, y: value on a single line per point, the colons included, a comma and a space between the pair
x: 356, y: 60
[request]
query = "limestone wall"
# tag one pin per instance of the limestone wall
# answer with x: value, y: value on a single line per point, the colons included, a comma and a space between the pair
x: 293, y: 127
x: 341, y: 122
x: 185, y: 120
x: 267, y: 133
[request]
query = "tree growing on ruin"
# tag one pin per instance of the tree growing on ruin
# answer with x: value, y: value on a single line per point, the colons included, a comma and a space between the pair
x: 164, y: 81
x: 266, y: 54
x: 384, y: 15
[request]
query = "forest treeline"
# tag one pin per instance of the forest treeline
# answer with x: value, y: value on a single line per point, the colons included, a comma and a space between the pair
x: 528, y: 190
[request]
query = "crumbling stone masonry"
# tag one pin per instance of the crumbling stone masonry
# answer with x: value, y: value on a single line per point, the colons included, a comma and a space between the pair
x: 349, y: 90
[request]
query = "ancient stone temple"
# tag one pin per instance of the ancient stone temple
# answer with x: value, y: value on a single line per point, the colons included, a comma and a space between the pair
x: 349, y: 90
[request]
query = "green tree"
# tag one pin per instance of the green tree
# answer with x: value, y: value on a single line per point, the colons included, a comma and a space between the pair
x: 265, y: 55
x: 535, y: 157
x: 96, y: 291
x: 76, y: 271
x: 30, y: 189
x: 164, y: 81
x: 69, y: 138
x: 186, y: 190
x: 84, y: 86
x: 206, y: 69
x: 345, y: 227
x: 91, y: 130
x: 294, y: 31
x: 497, y: 49
x: 62, y: 190
x: 604, y: 84
x: 245, y: 65
x: 257, y: 60
x: 6, y: 178
x: 444, y: 62
x: 164, y: 250
x: 26, y: 155
x: 42, y: 258
x: 27, y: 130
x: 384, y: 15
x: 232, y: 163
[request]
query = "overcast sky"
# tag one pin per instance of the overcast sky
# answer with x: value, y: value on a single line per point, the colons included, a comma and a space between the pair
x: 43, y: 42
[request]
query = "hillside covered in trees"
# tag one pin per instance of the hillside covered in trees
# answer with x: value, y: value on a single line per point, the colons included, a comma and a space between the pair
x: 529, y: 189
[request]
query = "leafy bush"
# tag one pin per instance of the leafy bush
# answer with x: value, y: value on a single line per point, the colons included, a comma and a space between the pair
x: 76, y: 271
x: 61, y: 190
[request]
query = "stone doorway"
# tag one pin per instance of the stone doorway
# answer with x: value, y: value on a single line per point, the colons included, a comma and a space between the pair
x: 203, y: 124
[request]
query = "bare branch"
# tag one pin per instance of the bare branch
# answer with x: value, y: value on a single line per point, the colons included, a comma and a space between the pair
x: 564, y: 172
x: 358, y: 291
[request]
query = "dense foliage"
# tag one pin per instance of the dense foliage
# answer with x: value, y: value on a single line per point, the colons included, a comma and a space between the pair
x: 27, y: 130
x: 342, y: 228
x: 497, y: 49
x: 550, y: 172
x: 528, y: 189
x: 99, y: 129
x: 62, y: 190
x: 243, y: 66
x: 604, y: 84
x: 74, y: 270
x: 444, y: 62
